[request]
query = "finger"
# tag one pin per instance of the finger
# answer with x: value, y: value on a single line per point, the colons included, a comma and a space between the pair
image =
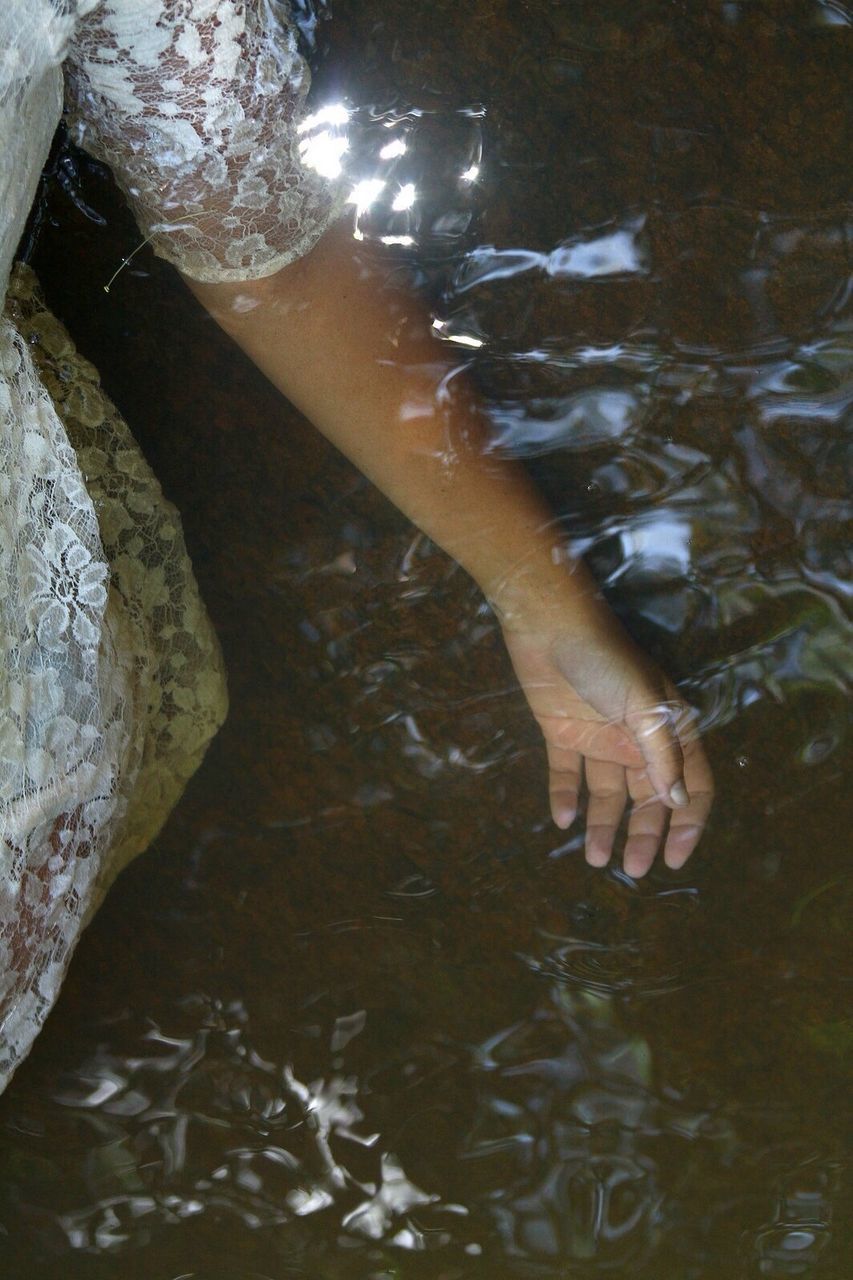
x: 607, y: 796
x: 645, y: 826
x: 564, y: 784
x: 655, y: 729
x: 686, y: 825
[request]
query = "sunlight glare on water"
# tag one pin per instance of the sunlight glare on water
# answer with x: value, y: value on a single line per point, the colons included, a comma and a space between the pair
x: 364, y: 1012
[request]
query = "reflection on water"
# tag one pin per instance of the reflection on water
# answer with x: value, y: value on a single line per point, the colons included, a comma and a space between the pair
x: 364, y: 1012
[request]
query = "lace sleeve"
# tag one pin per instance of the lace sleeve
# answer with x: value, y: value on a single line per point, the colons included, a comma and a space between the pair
x: 196, y: 105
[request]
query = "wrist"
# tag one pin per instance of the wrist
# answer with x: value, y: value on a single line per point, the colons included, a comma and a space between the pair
x: 548, y: 593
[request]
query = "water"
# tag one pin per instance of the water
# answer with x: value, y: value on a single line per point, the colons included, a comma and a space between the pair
x: 364, y: 1012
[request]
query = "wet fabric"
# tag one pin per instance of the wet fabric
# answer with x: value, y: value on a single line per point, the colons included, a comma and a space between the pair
x: 111, y: 682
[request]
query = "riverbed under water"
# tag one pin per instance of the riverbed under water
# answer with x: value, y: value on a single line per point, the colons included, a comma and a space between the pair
x: 363, y: 1012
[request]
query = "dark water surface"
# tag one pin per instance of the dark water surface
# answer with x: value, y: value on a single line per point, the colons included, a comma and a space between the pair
x: 363, y: 1012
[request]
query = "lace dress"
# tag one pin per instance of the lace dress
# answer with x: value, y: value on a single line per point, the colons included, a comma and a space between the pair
x: 111, y: 681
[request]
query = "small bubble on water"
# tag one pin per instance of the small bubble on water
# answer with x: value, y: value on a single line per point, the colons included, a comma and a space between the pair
x: 593, y: 488
x: 742, y: 762
x: 781, y: 1245
x: 816, y: 751
x: 795, y: 1241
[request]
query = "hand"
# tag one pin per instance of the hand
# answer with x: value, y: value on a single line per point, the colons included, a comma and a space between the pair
x: 610, y: 717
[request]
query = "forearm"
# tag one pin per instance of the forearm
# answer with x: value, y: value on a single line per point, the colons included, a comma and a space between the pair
x: 358, y: 359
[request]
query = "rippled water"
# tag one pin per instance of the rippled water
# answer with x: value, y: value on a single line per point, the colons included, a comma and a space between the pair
x: 364, y: 1012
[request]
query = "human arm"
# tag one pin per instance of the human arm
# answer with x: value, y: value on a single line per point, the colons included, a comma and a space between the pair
x: 356, y: 356
x: 199, y: 113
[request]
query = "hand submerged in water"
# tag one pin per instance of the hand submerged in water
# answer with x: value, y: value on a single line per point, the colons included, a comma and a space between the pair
x: 606, y: 711
x: 611, y: 719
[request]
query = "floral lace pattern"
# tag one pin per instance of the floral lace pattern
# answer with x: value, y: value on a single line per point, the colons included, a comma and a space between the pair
x: 111, y: 681
x: 197, y: 107
x: 33, y: 38
x: 63, y: 742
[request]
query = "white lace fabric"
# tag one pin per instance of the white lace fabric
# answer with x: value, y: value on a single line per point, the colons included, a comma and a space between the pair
x: 197, y: 106
x: 111, y: 682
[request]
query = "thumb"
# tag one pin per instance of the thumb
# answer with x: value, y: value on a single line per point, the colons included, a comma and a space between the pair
x: 655, y: 730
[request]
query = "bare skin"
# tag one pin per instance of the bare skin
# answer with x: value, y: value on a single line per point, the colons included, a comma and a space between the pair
x: 358, y: 359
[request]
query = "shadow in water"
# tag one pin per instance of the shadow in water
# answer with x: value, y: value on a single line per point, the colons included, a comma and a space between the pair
x: 363, y: 1012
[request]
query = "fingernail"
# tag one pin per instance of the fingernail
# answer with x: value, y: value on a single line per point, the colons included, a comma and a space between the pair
x: 678, y: 795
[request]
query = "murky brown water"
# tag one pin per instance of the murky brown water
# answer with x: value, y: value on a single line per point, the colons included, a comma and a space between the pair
x: 364, y: 1012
